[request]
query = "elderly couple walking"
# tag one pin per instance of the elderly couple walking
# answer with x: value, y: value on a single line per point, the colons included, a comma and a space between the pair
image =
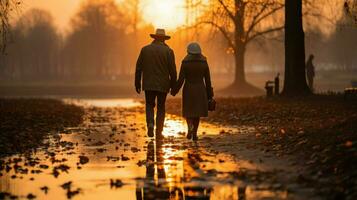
x: 156, y: 75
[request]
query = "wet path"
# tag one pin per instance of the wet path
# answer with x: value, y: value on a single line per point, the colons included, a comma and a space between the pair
x: 110, y: 157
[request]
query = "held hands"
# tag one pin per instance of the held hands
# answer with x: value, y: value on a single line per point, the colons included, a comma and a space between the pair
x: 173, y: 92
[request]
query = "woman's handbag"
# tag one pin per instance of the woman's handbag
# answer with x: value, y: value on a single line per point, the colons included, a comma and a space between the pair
x: 211, y: 105
x: 211, y: 101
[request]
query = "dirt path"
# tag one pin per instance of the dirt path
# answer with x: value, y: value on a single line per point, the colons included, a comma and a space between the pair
x: 110, y: 157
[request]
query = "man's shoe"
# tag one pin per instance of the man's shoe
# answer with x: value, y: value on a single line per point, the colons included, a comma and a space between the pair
x: 194, y: 137
x: 151, y: 132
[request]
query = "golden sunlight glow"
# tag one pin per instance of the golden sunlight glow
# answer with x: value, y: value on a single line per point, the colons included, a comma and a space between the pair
x: 168, y: 14
x: 173, y: 126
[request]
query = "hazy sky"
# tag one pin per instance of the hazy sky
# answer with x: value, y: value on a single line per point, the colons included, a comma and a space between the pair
x: 161, y: 13
x: 62, y: 10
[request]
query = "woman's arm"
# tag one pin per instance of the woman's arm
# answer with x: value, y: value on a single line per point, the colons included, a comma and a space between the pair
x: 180, y: 81
x: 208, y: 83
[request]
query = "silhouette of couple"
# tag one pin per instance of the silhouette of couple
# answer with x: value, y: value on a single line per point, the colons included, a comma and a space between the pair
x: 156, y: 75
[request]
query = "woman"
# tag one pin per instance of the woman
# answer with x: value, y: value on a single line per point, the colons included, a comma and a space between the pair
x: 197, y: 90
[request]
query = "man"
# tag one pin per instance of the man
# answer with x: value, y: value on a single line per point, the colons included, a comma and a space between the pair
x: 310, y: 72
x: 156, y: 75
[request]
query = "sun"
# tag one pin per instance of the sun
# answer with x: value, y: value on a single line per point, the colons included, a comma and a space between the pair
x: 168, y: 14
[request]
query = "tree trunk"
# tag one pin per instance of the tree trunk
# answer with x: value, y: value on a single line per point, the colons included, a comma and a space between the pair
x: 295, y: 78
x: 239, y: 34
x: 239, y: 77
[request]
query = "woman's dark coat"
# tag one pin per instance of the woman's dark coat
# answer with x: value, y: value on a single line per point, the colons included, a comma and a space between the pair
x: 197, y: 89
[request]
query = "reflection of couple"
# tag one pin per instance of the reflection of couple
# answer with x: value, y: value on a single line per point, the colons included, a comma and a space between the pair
x: 156, y: 75
x: 156, y: 185
x: 154, y: 188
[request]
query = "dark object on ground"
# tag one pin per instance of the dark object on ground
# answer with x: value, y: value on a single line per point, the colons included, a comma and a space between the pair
x: 26, y: 122
x: 69, y: 192
x: 83, y: 160
x: 269, y: 87
x: 31, y: 196
x: 45, y: 189
x: 351, y: 93
x: 116, y: 183
x: 273, y: 85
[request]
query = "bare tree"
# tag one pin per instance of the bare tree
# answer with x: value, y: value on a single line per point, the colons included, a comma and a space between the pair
x: 6, y: 8
x: 241, y: 22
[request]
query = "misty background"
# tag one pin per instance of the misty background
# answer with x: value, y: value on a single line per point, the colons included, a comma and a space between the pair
x: 99, y: 43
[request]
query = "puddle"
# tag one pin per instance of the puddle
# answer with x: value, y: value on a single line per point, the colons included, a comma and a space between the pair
x: 105, y: 103
x: 110, y: 157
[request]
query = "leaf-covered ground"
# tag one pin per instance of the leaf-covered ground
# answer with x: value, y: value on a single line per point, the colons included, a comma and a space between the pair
x: 319, y: 131
x: 26, y: 122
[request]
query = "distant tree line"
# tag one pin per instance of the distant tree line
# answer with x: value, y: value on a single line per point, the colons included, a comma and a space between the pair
x: 98, y: 45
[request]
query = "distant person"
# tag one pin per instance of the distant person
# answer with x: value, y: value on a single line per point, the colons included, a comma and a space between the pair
x: 310, y: 72
x: 277, y: 84
x: 197, y: 90
x: 156, y: 75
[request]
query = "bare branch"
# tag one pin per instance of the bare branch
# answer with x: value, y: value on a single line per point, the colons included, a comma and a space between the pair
x: 260, y: 17
x: 261, y: 33
x: 225, y: 7
x: 224, y: 32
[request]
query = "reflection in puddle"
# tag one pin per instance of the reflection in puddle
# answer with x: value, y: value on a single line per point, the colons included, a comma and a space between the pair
x: 125, y: 164
x: 105, y: 103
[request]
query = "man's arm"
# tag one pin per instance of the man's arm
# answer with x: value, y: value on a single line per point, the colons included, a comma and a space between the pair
x: 172, y: 69
x: 138, y: 72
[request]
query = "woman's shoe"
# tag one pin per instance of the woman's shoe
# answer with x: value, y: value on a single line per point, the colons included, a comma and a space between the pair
x: 159, y: 134
x: 189, y: 135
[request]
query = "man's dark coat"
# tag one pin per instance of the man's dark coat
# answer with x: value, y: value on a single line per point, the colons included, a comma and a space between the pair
x: 156, y: 68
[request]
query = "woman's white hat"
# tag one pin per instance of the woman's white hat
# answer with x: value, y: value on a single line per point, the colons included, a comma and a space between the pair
x: 194, y: 48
